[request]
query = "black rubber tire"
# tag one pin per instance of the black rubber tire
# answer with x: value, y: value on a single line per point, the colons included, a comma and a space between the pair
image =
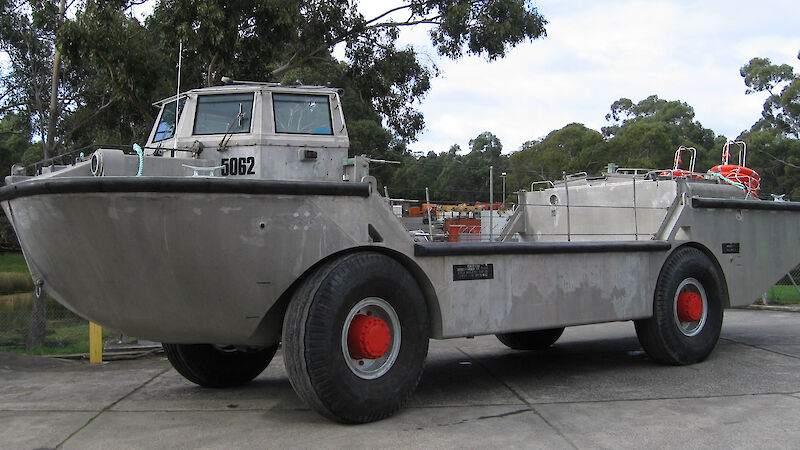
x: 212, y: 367
x: 531, y: 340
x: 660, y: 335
x: 312, y: 338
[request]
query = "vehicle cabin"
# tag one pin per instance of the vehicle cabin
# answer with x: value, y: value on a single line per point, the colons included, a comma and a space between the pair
x: 300, y: 130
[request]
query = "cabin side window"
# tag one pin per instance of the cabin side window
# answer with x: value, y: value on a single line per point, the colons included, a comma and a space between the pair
x: 223, y: 114
x: 302, y: 114
x: 166, y: 123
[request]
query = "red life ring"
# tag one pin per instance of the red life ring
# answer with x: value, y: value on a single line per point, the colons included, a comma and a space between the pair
x: 680, y: 173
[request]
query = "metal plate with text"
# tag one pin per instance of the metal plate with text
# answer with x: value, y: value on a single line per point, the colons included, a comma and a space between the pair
x: 463, y: 272
x: 730, y: 247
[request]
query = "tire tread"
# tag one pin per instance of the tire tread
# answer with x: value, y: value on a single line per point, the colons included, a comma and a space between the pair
x: 309, y: 350
x: 659, y: 335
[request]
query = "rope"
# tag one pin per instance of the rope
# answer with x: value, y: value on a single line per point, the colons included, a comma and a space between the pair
x: 729, y: 181
x: 140, y: 153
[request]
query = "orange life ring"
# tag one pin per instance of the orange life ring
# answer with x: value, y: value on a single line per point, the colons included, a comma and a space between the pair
x: 740, y: 174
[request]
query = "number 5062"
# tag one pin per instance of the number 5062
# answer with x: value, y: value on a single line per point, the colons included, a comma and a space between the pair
x: 239, y: 166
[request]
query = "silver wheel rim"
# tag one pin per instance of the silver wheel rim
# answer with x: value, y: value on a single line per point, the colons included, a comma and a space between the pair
x: 369, y: 369
x: 690, y: 328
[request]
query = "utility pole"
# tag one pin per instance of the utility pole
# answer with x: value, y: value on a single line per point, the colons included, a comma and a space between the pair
x: 491, y: 202
x: 503, y: 176
x: 430, y: 222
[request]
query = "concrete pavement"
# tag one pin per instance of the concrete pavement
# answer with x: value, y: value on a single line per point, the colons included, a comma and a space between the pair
x: 594, y: 389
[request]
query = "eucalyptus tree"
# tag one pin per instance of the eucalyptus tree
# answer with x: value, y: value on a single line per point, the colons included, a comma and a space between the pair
x: 646, y: 134
x: 124, y: 67
x: 470, y: 179
x: 643, y: 134
x: 782, y: 105
x: 573, y: 148
x: 774, y: 140
x: 50, y: 80
x: 32, y: 87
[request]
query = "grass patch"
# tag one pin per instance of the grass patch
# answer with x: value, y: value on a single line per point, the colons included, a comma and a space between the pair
x: 783, y: 295
x: 13, y: 262
x: 15, y: 282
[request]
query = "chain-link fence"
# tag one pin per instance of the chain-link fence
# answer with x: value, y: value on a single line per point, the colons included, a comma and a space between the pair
x: 31, y: 323
x: 24, y: 324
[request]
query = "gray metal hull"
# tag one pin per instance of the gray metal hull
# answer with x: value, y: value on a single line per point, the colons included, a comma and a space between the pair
x: 182, y: 267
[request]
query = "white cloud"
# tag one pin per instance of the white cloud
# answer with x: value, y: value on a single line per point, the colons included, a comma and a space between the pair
x: 598, y: 52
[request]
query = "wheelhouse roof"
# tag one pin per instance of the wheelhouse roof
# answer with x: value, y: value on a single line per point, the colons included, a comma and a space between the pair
x: 252, y: 87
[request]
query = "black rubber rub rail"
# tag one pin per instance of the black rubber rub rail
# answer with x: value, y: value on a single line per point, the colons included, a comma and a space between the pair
x: 537, y: 248
x: 724, y: 203
x: 188, y: 185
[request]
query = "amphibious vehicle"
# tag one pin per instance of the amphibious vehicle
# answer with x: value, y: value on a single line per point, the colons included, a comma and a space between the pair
x: 243, y: 225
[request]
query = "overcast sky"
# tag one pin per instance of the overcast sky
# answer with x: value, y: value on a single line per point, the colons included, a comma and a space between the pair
x: 598, y: 52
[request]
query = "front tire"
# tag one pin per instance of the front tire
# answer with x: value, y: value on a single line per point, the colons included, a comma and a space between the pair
x: 355, y: 338
x: 687, y: 310
x: 531, y: 340
x: 218, y: 367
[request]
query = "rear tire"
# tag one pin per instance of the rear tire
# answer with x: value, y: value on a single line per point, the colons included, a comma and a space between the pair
x: 687, y: 310
x: 325, y: 369
x: 217, y: 367
x: 531, y: 340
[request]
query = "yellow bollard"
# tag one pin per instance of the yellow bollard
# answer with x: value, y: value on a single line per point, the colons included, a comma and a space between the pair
x: 95, y: 343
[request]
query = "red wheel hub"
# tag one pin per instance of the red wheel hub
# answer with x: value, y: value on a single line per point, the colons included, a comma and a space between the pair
x: 368, y: 337
x: 690, y: 307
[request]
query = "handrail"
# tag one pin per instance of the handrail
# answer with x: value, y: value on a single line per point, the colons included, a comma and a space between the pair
x: 692, y: 159
x: 577, y: 175
x: 542, y: 182
x: 726, y: 152
x: 635, y: 170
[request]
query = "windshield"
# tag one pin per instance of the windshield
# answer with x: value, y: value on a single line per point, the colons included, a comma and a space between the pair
x: 166, y: 123
x: 305, y: 114
x: 221, y: 114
